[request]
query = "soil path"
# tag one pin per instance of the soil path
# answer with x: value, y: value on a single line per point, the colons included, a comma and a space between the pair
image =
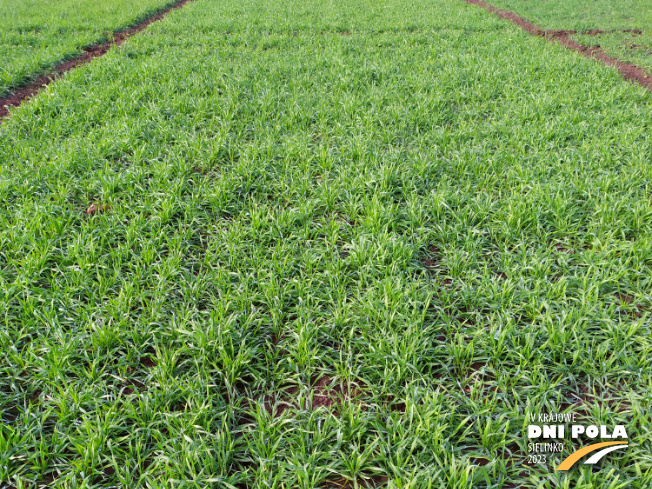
x: 19, y: 95
x: 627, y: 70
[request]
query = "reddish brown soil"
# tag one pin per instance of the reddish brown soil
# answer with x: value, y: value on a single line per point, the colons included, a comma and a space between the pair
x: 94, y: 208
x: 592, y: 32
x: 434, y: 258
x: 628, y: 71
x: 28, y: 91
x: 325, y: 393
x: 148, y: 362
x: 368, y: 483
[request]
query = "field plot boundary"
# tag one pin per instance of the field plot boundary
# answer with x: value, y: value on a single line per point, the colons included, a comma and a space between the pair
x: 628, y: 71
x: 18, y: 96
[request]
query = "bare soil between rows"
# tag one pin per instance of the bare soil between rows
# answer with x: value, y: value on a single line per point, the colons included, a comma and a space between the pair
x: 628, y: 71
x: 21, y: 94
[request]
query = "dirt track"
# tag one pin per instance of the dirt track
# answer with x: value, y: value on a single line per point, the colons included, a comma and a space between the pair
x: 18, y: 96
x: 629, y: 71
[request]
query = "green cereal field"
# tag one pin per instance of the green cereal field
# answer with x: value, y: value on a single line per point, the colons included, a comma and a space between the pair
x: 37, y: 34
x: 322, y: 244
x: 623, y: 28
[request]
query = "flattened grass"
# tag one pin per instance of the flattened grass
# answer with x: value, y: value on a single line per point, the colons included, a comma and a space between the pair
x: 357, y: 247
x: 35, y: 35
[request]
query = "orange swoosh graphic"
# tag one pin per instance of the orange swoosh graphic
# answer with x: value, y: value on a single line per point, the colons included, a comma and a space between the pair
x: 574, y: 457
